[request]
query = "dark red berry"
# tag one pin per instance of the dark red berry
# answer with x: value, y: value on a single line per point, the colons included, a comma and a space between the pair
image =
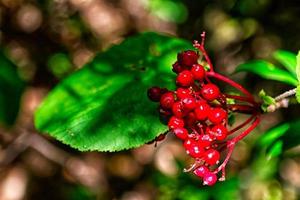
x: 209, y: 179
x: 175, y: 122
x: 190, y: 119
x: 177, y: 68
x: 211, y: 156
x: 217, y: 115
x: 189, y: 103
x: 202, y: 110
x: 154, y: 94
x: 219, y: 131
x: 210, y: 92
x: 182, y: 93
x: 201, y: 171
x: 198, y: 72
x: 193, y: 148
x: 187, y: 58
x: 177, y: 109
x: 167, y: 100
x: 185, y: 78
x: 181, y: 133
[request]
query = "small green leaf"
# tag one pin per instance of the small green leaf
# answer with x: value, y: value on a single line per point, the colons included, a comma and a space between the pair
x: 268, y: 71
x: 298, y: 94
x: 104, y: 106
x: 298, y: 66
x: 11, y: 89
x: 266, y: 100
x: 287, y: 59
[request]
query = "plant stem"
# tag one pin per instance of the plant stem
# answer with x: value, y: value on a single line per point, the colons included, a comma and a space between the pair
x: 246, y: 109
x: 241, y: 125
x: 286, y: 94
x: 202, y: 49
x: 239, y: 98
x: 247, y: 131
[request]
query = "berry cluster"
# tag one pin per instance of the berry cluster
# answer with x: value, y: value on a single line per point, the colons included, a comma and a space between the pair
x: 197, y: 113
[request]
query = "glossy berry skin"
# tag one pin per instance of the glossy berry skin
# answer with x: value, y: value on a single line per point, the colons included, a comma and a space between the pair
x: 182, y: 93
x: 205, y: 140
x: 185, y: 78
x: 202, y: 110
x: 167, y: 100
x: 210, y: 92
x: 189, y: 103
x: 187, y: 58
x: 201, y: 171
x: 219, y: 131
x: 209, y: 179
x: 193, y: 148
x: 217, y: 115
x: 154, y: 94
x: 198, y: 72
x: 181, y: 133
x: 211, y: 156
x: 177, y: 109
x: 177, y: 68
x: 175, y: 122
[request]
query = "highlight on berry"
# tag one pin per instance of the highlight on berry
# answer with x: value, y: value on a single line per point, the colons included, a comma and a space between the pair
x: 197, y: 113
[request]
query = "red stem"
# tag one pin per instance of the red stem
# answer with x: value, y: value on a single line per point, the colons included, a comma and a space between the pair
x: 246, y: 109
x: 202, y: 49
x: 241, y: 125
x: 239, y: 98
x: 247, y: 131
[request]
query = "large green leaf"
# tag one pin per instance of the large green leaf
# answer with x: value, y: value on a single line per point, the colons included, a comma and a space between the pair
x: 104, y: 106
x: 268, y: 71
x: 287, y: 59
x: 298, y: 66
x: 11, y: 88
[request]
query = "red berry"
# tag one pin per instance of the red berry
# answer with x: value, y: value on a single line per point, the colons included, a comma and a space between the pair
x: 175, y: 122
x: 201, y: 171
x: 205, y: 140
x: 189, y: 103
x: 167, y: 100
x: 198, y: 72
x: 217, y: 115
x: 181, y: 133
x: 193, y: 149
x: 190, y: 119
x: 187, y: 58
x: 219, y: 131
x: 202, y: 110
x: 182, y: 93
x: 210, y: 92
x: 154, y: 94
x: 209, y: 179
x: 211, y: 156
x: 177, y: 109
x: 177, y: 68
x: 185, y: 78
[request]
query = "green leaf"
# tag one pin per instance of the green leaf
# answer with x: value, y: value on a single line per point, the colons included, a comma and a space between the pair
x: 11, y: 88
x: 272, y: 135
x: 298, y: 66
x: 104, y: 106
x: 266, y: 100
x: 275, y: 150
x: 298, y: 94
x: 287, y: 59
x: 268, y: 71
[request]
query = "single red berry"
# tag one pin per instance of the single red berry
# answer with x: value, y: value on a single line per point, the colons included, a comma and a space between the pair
x: 211, y: 156
x: 193, y: 149
x: 198, y: 72
x: 205, y: 140
x: 189, y: 103
x: 175, y: 122
x: 210, y: 92
x: 154, y: 94
x: 167, y: 100
x: 201, y: 171
x: 181, y: 133
x: 185, y: 78
x: 209, y: 179
x: 177, y: 109
x: 182, y: 93
x: 177, y: 68
x: 202, y: 110
x: 190, y: 119
x: 187, y: 58
x: 217, y: 115
x: 219, y: 131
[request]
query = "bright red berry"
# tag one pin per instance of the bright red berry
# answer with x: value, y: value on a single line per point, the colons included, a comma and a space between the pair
x: 217, y: 115
x: 189, y: 103
x: 177, y: 68
x: 209, y: 179
x: 167, y: 100
x: 187, y: 58
x: 210, y: 92
x: 185, y: 78
x: 182, y: 93
x: 211, y: 156
x: 175, y: 122
x: 201, y: 171
x: 193, y: 148
x: 177, y: 109
x: 219, y: 131
x: 205, y: 140
x: 198, y: 72
x: 202, y: 110
x: 181, y: 133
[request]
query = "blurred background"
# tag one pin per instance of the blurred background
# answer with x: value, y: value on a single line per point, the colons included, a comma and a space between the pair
x: 47, y: 40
